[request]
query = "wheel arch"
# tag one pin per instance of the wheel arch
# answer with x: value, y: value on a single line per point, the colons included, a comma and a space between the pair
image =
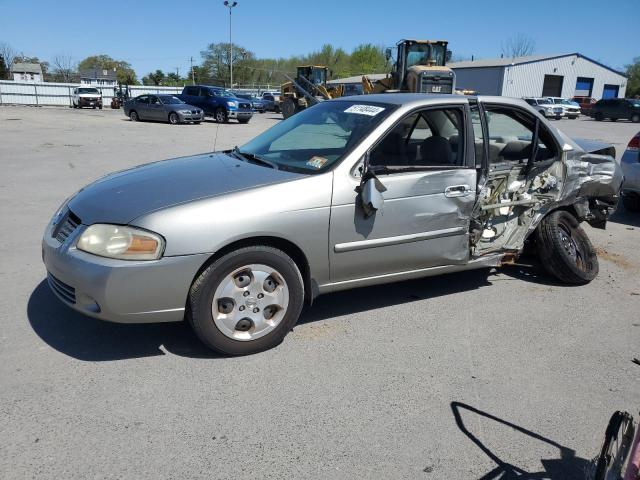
x: 287, y: 246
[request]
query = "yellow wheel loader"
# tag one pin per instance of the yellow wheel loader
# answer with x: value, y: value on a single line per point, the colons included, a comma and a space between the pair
x: 306, y: 89
x: 419, y: 68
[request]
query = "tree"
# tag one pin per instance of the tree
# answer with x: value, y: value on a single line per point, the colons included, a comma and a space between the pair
x: 8, y: 54
x: 633, y: 81
x: 154, y: 78
x: 368, y: 58
x: 519, y: 45
x: 124, y: 73
x: 4, y: 71
x: 64, y: 68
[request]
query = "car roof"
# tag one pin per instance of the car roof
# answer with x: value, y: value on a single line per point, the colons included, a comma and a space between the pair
x: 418, y: 99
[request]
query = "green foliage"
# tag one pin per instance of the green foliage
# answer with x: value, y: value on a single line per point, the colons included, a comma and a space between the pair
x: 124, y: 73
x: 633, y: 82
x: 4, y: 71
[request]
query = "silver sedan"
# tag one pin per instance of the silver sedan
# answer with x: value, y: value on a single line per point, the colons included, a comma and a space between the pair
x: 162, y: 108
x: 349, y: 193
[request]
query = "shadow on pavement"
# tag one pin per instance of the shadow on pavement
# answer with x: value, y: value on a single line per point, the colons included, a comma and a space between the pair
x: 625, y: 217
x: 566, y: 467
x: 92, y: 340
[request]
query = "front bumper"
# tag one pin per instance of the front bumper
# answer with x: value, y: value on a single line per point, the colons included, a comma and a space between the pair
x: 118, y: 290
x: 191, y: 117
x: 240, y: 114
x: 89, y: 102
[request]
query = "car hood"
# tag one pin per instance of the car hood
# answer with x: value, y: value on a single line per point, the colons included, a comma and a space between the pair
x: 180, y: 106
x: 124, y: 196
x: 89, y: 95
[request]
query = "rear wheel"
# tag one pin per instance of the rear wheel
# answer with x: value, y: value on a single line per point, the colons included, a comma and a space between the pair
x: 635, y: 118
x: 221, y: 115
x: 246, y: 301
x: 631, y: 202
x: 599, y: 116
x: 289, y: 107
x: 173, y: 118
x: 565, y: 250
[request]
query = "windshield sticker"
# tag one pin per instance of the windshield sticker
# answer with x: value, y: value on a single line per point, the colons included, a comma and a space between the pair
x: 369, y: 110
x: 316, y: 162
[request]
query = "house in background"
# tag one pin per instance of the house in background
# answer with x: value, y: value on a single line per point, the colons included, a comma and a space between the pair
x: 101, y: 77
x: 27, y: 72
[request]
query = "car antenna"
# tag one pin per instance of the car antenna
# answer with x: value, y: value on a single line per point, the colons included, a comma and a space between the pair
x: 215, y: 140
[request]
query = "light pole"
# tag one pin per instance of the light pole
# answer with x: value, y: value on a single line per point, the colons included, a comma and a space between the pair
x: 230, y: 5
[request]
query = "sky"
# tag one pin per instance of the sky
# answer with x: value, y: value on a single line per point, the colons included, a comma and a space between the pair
x: 165, y: 34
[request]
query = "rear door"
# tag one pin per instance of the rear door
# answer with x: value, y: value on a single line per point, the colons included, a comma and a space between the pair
x: 426, y: 163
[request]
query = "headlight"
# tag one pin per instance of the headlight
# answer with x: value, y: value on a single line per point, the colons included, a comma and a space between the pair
x: 184, y: 112
x: 232, y: 104
x: 124, y: 243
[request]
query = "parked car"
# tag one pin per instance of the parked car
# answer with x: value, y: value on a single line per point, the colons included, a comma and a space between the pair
x: 570, y: 109
x: 585, y: 104
x: 236, y: 241
x: 86, y: 97
x: 630, y: 164
x: 616, y: 108
x: 546, y: 108
x: 271, y: 101
x: 256, y: 103
x: 218, y: 103
x: 162, y: 108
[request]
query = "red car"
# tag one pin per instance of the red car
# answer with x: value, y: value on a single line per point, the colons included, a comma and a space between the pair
x: 585, y: 104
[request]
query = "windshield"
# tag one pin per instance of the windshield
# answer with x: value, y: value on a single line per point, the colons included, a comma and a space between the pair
x: 224, y: 93
x: 426, y: 54
x: 317, y: 137
x: 543, y: 101
x: 88, y: 90
x: 169, y: 100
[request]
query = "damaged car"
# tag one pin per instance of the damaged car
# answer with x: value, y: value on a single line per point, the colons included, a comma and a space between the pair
x: 349, y: 193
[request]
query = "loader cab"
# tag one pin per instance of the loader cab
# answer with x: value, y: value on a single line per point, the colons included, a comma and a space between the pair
x: 314, y: 74
x: 420, y: 67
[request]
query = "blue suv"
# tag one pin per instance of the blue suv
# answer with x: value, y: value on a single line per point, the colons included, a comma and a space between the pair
x: 218, y: 103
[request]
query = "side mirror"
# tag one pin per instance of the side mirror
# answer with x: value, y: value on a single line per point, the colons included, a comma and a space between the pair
x: 371, y: 196
x: 387, y: 54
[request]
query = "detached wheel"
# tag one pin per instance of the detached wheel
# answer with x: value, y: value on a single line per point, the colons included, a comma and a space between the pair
x: 565, y: 250
x: 246, y: 301
x: 133, y: 116
x: 221, y: 115
x: 173, y: 118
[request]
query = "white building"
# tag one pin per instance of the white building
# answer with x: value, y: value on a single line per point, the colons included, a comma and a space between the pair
x: 566, y: 76
x: 27, y: 72
x: 98, y: 77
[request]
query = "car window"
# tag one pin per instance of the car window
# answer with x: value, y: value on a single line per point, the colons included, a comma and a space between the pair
x: 478, y: 135
x: 530, y: 101
x: 511, y: 134
x: 153, y: 100
x: 144, y: 99
x: 427, y: 138
x: 191, y: 91
x: 316, y: 138
x: 268, y: 97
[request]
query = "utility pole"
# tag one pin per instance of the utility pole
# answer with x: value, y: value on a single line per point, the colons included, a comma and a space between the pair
x: 230, y: 5
x: 193, y: 77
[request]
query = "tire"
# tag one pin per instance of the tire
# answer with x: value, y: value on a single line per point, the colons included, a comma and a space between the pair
x: 635, y: 118
x: 197, y: 123
x: 233, y: 332
x: 598, y: 116
x: 100, y: 107
x: 614, y: 119
x: 260, y: 111
x: 174, y: 119
x: 631, y: 202
x: 615, y: 448
x: 289, y: 108
x: 565, y: 250
x: 221, y: 116
x: 133, y: 116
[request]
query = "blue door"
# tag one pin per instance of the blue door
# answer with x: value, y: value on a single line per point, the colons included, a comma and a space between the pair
x: 584, y: 87
x: 610, y: 91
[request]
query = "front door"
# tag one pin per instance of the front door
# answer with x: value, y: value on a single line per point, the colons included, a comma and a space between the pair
x: 430, y: 181
x: 156, y: 110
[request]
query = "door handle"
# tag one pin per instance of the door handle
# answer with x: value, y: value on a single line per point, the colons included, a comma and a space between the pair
x: 457, y: 191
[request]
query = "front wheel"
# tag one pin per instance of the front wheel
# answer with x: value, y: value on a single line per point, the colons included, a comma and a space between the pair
x: 246, y: 301
x: 289, y: 107
x: 565, y: 250
x: 221, y: 115
x: 635, y: 118
x: 598, y: 116
x: 133, y: 116
x: 173, y: 118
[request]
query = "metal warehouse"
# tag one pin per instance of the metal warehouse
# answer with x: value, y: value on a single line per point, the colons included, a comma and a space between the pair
x: 567, y: 75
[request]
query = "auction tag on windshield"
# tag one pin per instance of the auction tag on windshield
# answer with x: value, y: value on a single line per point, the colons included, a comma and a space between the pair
x: 370, y: 110
x: 316, y: 162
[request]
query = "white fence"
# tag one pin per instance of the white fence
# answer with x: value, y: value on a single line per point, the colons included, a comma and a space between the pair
x: 46, y: 93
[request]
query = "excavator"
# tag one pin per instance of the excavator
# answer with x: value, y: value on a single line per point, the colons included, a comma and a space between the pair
x: 419, y: 68
x: 306, y: 89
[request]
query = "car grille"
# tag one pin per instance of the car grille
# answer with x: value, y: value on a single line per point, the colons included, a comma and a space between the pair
x: 65, y: 291
x: 557, y: 110
x: 245, y: 105
x: 66, y: 226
